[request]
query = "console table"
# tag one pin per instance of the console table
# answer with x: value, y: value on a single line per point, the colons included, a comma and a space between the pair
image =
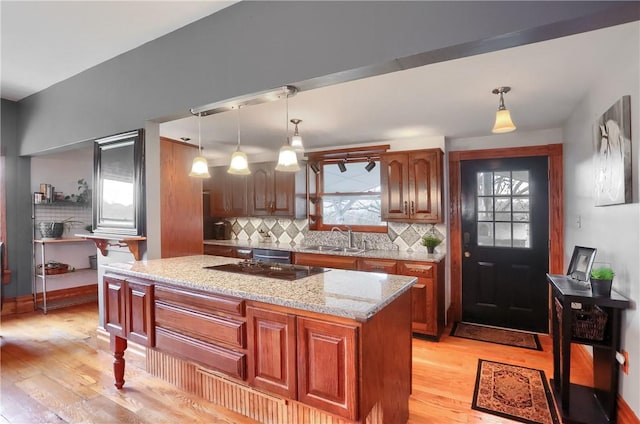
x: 597, y: 404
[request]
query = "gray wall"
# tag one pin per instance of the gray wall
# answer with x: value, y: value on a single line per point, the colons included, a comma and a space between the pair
x: 252, y: 46
x: 18, y: 199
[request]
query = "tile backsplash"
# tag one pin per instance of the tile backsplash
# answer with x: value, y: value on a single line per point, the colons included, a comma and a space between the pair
x: 79, y: 215
x: 400, y: 236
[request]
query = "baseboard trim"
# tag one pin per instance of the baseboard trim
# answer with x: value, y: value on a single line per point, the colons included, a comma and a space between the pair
x: 24, y: 304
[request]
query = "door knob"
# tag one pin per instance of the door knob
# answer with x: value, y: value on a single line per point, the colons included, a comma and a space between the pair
x: 467, y: 254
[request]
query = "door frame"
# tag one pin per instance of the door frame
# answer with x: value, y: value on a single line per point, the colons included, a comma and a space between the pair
x: 556, y: 213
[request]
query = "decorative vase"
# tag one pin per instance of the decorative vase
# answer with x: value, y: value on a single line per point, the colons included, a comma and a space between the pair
x: 601, y: 287
x: 51, y: 230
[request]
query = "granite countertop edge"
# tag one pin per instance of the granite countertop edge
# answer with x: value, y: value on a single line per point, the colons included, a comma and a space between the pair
x: 373, y: 253
x: 360, y: 316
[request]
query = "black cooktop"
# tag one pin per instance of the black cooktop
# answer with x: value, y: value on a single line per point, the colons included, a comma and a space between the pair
x: 269, y: 269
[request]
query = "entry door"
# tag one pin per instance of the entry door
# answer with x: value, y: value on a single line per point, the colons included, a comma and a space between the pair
x: 505, y: 242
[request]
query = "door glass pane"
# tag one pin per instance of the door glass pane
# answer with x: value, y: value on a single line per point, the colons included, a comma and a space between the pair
x: 485, y: 234
x: 503, y: 214
x: 503, y: 234
x: 502, y: 183
x: 520, y: 182
x: 521, y: 236
x: 485, y: 183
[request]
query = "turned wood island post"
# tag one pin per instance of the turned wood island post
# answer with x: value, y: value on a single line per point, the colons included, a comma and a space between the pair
x: 335, y: 344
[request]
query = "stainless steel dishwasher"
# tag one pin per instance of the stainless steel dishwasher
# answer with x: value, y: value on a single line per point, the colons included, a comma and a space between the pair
x: 272, y: 255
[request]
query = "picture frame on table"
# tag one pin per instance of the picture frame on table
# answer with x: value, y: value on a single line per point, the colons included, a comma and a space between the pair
x: 581, y: 263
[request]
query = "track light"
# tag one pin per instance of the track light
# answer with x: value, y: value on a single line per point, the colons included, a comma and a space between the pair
x: 503, y: 122
x: 314, y: 167
x: 342, y: 165
x: 370, y: 165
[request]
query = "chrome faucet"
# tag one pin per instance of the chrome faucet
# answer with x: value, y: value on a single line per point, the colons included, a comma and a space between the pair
x: 348, y: 234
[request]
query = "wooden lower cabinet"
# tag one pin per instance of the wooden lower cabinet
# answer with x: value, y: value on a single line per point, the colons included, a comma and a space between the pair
x: 128, y: 309
x: 228, y: 251
x: 114, y: 306
x: 327, y: 364
x: 427, y: 297
x: 272, y: 347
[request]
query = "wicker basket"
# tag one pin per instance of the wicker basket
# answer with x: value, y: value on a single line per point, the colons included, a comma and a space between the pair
x: 588, y: 323
x: 53, y: 268
x: 51, y: 230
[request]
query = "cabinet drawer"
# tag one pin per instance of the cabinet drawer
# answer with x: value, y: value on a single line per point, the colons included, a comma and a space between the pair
x: 215, y: 357
x: 214, y: 250
x: 416, y: 269
x: 327, y: 261
x: 202, y: 326
x: 210, y: 303
x: 377, y: 265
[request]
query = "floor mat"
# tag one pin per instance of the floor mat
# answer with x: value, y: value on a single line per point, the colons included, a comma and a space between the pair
x: 496, y: 335
x: 518, y: 393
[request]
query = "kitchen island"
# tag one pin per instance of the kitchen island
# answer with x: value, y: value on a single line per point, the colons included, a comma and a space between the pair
x: 333, y: 344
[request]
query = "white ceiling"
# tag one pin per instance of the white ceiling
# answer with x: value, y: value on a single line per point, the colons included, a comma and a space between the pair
x: 451, y: 99
x: 44, y: 42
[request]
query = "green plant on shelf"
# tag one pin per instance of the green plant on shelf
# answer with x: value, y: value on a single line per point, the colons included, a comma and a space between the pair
x: 84, y: 193
x: 602, y: 273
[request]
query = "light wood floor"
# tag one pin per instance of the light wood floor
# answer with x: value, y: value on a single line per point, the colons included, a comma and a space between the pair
x: 52, y: 372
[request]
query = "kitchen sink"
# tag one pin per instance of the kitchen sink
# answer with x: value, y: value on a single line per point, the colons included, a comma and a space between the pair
x: 328, y: 248
x: 322, y: 248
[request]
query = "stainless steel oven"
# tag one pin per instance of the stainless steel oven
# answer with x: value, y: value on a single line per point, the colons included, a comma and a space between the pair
x: 271, y: 255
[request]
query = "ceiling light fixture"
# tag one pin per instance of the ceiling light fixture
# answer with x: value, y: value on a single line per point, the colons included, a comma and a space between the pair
x: 239, y: 164
x: 199, y: 167
x: 503, y: 122
x: 370, y: 165
x: 287, y: 159
x: 342, y: 165
x: 296, y: 139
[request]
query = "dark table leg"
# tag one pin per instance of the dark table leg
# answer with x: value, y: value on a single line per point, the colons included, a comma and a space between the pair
x: 556, y: 345
x: 118, y: 346
x: 566, y: 355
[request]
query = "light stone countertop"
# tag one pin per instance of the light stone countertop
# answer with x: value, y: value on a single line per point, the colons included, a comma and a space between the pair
x: 350, y: 294
x: 421, y: 256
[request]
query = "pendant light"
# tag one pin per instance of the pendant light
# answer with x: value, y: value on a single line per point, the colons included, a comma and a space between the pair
x: 287, y: 159
x: 296, y: 139
x: 503, y: 122
x: 199, y: 167
x: 239, y: 165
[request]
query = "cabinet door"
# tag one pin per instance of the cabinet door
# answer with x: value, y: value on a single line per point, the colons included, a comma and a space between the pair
x: 284, y: 187
x: 139, y: 307
x: 114, y: 305
x: 261, y: 189
x: 215, y: 250
x: 327, y: 261
x: 425, y: 186
x: 272, y: 347
x: 227, y: 193
x: 422, y: 307
x: 327, y: 364
x: 394, y: 180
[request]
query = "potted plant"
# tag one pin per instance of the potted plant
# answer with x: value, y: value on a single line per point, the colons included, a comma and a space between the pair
x: 601, y: 279
x: 430, y: 241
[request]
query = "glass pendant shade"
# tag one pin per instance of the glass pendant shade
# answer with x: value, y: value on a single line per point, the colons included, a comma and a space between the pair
x: 239, y: 164
x: 287, y: 160
x: 503, y: 122
x: 199, y: 168
x: 296, y: 143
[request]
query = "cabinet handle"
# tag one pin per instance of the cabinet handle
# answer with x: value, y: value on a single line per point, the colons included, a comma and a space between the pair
x: 412, y: 208
x: 406, y: 208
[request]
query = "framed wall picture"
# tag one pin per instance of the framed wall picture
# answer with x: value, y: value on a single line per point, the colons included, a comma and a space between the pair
x: 612, y: 156
x: 581, y: 263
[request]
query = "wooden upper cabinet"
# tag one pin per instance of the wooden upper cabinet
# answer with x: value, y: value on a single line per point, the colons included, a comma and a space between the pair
x: 273, y: 193
x: 412, y: 186
x: 227, y: 193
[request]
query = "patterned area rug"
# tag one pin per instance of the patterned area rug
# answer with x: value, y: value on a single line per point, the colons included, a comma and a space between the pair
x: 514, y: 392
x: 496, y: 335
